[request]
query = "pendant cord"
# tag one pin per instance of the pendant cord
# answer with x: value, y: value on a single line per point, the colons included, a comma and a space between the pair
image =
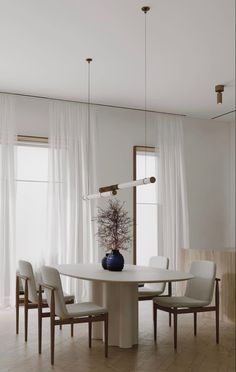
x: 145, y: 90
x: 89, y: 124
x: 145, y: 9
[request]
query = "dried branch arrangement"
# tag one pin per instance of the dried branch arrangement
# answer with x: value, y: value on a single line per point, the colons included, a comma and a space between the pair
x: 114, y: 226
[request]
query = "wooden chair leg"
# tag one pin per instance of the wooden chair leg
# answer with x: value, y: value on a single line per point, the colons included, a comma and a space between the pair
x: 26, y: 323
x: 169, y: 319
x: 217, y: 300
x: 175, y: 329
x: 72, y: 330
x: 90, y: 331
x: 52, y: 326
x: 26, y: 309
x: 155, y: 321
x: 39, y: 330
x: 195, y: 323
x: 106, y: 334
x: 17, y: 305
x: 40, y: 322
x: 60, y: 326
x: 217, y: 326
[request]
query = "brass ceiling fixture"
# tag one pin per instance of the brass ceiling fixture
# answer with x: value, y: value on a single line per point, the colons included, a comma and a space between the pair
x: 219, y: 90
x: 145, y: 9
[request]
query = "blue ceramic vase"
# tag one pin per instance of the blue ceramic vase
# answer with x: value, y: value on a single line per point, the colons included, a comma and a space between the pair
x: 115, y: 261
x: 104, y: 261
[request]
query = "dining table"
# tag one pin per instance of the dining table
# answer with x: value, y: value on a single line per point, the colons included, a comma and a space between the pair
x: 118, y: 292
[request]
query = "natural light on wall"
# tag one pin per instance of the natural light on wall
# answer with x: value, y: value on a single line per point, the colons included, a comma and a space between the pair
x: 146, y: 208
x: 31, y: 202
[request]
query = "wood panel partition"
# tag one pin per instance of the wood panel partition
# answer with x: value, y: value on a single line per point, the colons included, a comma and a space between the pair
x: 225, y: 263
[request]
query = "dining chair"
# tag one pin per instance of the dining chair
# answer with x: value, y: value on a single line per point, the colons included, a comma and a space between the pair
x: 19, y: 298
x: 197, y: 297
x: 61, y: 313
x: 28, y: 296
x: 150, y: 290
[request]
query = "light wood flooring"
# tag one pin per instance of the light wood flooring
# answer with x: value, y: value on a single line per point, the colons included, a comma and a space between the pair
x: 72, y: 354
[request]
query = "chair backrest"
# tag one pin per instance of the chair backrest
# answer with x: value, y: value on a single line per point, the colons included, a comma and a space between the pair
x: 201, y: 287
x: 52, y: 278
x: 25, y: 268
x: 159, y: 262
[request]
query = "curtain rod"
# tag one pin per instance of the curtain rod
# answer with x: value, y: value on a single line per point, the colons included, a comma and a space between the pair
x: 94, y: 104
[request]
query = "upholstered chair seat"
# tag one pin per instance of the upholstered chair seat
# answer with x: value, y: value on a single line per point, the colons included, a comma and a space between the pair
x: 148, y: 291
x: 84, y: 309
x: 177, y: 301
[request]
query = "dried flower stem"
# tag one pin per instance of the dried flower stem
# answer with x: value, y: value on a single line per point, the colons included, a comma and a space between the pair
x: 114, y: 226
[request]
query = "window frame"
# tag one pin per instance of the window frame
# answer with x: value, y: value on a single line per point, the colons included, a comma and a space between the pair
x: 32, y: 139
x: 137, y: 148
x: 33, y: 142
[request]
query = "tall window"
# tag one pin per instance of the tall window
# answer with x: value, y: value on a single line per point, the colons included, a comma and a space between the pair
x: 145, y: 206
x: 31, y: 200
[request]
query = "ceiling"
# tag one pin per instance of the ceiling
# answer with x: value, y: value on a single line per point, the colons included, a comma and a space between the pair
x: 190, y: 49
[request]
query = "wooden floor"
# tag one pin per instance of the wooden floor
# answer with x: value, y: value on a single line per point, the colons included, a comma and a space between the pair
x: 194, y: 353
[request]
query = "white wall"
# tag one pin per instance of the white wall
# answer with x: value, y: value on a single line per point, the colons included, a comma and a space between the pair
x: 231, y: 199
x: 209, y: 168
x: 210, y: 164
x: 32, y: 116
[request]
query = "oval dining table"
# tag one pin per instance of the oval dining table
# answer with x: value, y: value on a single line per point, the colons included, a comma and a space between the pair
x: 118, y: 292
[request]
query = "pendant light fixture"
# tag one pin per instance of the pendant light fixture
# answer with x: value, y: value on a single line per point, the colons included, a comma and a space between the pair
x: 219, y: 89
x: 145, y: 9
x: 89, y: 196
x: 111, y: 190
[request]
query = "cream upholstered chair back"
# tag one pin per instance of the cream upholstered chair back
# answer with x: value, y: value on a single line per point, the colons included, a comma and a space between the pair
x: 25, y: 268
x: 51, y: 277
x: 201, y: 287
x: 158, y: 262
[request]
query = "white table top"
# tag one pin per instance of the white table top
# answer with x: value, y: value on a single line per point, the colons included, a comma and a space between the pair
x: 130, y: 273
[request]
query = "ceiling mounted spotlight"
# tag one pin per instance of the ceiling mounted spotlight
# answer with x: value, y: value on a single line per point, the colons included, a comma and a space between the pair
x: 219, y: 90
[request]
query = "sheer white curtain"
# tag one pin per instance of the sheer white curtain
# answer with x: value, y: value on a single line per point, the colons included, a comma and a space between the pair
x: 70, y: 160
x: 7, y: 201
x: 173, y: 221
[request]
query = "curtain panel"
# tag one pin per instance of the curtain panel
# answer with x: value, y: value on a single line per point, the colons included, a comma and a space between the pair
x: 71, y: 175
x: 173, y: 218
x: 7, y: 201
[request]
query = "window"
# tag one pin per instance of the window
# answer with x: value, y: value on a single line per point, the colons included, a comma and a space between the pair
x: 145, y: 206
x: 31, y: 200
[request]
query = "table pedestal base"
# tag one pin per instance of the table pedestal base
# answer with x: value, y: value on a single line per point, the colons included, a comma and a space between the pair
x: 121, y: 301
